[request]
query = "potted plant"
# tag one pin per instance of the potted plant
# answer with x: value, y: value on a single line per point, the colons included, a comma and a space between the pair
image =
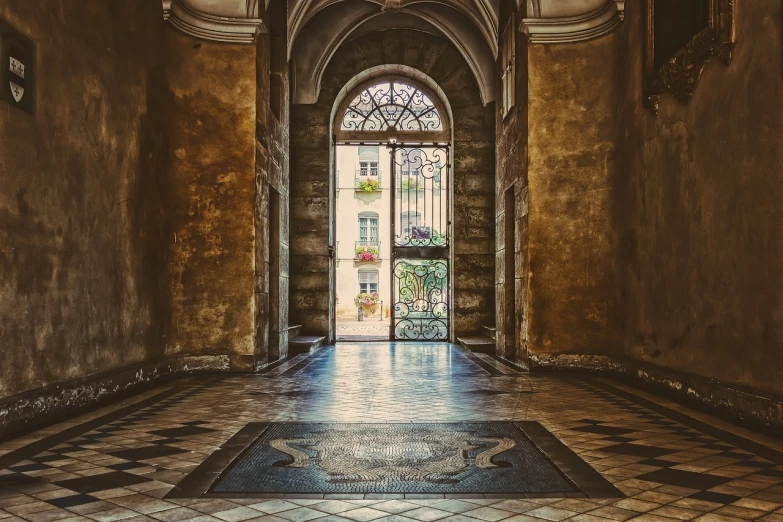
x: 369, y: 185
x: 367, y: 253
x: 367, y: 299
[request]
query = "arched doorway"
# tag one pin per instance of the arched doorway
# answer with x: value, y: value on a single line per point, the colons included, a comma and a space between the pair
x: 392, y: 136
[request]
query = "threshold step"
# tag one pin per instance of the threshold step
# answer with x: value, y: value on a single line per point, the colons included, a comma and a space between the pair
x: 491, y: 332
x: 295, y: 330
x: 477, y: 343
x: 304, y: 343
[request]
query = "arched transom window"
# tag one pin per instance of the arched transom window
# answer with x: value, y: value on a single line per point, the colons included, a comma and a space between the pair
x: 393, y: 107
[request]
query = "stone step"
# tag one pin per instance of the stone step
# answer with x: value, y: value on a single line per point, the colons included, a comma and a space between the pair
x: 304, y: 343
x: 478, y: 343
x: 491, y: 332
x: 294, y: 331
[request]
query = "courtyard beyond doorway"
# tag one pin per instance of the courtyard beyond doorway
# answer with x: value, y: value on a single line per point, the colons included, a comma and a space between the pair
x: 371, y: 328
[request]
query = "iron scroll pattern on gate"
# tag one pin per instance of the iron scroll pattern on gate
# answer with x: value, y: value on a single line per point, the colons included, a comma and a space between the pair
x: 421, y: 184
x: 392, y: 105
x: 421, y: 312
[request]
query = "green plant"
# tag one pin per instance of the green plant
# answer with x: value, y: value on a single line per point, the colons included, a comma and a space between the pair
x: 369, y: 185
x: 411, y: 184
x: 367, y: 253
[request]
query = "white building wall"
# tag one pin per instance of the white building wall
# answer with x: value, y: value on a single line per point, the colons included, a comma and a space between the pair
x: 350, y: 203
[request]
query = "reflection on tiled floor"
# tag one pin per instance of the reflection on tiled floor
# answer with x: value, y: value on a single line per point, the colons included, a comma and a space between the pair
x: 120, y: 462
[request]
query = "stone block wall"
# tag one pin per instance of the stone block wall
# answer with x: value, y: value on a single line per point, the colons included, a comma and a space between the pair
x: 473, y: 160
x: 511, y: 188
x: 272, y: 189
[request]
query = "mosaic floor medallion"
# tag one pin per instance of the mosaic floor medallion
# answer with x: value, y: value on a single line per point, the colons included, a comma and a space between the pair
x: 475, y: 457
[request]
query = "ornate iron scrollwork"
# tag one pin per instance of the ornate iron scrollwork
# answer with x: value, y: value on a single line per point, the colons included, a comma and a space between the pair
x: 421, y: 311
x: 422, y: 197
x: 681, y: 71
x: 392, y: 105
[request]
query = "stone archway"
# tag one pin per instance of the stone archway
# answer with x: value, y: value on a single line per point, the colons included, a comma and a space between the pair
x: 398, y: 115
x: 473, y: 195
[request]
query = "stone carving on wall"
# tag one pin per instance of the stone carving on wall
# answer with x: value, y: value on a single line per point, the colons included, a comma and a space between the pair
x: 680, y: 38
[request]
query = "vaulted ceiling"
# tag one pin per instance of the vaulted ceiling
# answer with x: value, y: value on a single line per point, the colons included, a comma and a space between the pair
x: 316, y: 28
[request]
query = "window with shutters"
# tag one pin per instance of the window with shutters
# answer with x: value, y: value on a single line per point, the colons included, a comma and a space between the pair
x: 368, y: 281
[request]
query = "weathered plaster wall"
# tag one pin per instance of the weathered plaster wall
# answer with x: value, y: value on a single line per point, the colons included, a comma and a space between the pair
x: 84, y: 228
x: 511, y: 177
x: 213, y: 149
x: 697, y: 209
x: 474, y: 250
x: 573, y: 272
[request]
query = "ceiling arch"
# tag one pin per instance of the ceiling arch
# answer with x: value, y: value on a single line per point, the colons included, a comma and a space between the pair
x: 316, y: 28
x: 482, y: 13
x: 322, y: 31
x: 546, y: 21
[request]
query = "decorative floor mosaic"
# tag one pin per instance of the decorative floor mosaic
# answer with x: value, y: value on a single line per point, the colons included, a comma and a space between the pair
x: 132, y: 460
x: 495, y: 457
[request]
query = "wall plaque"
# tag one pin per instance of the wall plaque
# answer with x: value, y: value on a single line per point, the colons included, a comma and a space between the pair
x: 17, y: 68
x: 681, y: 36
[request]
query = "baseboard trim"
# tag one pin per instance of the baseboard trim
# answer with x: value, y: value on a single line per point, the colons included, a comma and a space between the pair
x: 735, y: 403
x: 31, y: 410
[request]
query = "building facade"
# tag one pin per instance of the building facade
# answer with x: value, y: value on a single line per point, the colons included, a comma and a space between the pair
x: 364, y: 215
x: 363, y: 257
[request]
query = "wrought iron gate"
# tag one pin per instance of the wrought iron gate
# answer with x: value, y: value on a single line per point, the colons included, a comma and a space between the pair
x: 420, y: 239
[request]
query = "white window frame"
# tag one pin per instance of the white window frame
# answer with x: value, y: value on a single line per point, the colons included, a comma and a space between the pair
x: 369, y: 280
x: 372, y: 225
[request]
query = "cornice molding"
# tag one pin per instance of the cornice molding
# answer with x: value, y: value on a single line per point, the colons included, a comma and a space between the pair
x: 236, y: 27
x: 572, y: 28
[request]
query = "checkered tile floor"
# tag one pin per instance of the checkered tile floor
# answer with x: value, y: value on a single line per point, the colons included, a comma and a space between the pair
x: 118, y: 463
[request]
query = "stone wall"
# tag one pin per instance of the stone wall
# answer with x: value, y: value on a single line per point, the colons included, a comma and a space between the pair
x: 213, y: 169
x: 84, y: 223
x: 272, y: 191
x: 311, y: 286
x: 511, y: 229
x: 573, y: 104
x: 697, y: 210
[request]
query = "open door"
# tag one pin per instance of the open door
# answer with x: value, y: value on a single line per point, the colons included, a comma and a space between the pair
x: 420, y: 243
